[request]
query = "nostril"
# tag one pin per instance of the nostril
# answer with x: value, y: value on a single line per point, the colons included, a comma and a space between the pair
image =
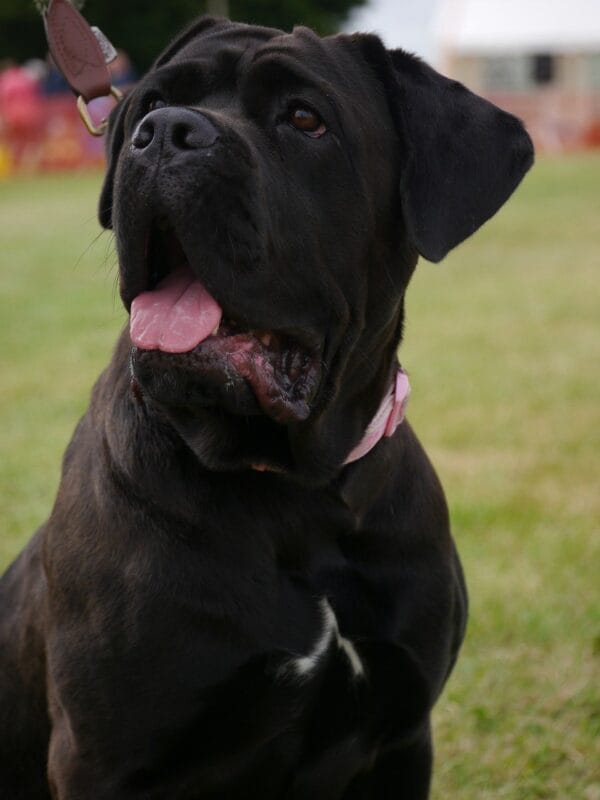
x: 143, y: 134
x: 193, y: 132
x: 182, y: 136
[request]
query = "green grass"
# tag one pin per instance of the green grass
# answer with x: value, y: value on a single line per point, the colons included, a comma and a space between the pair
x: 60, y: 315
x: 503, y: 349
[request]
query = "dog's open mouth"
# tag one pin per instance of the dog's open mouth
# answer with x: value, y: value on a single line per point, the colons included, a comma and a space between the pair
x: 180, y: 318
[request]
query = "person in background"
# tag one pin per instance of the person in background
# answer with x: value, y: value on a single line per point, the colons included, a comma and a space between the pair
x: 22, y: 114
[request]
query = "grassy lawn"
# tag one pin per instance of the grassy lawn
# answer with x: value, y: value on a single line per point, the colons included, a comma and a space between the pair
x: 503, y: 349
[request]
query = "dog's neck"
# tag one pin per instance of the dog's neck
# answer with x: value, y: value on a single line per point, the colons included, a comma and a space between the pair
x: 388, y: 416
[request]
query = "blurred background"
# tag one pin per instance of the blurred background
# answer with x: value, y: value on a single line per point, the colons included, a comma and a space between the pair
x: 502, y: 345
x: 539, y: 59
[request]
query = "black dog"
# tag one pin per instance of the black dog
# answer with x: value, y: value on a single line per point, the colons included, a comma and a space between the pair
x: 232, y: 598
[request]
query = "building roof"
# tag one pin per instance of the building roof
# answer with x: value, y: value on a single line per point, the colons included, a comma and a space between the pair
x: 513, y: 26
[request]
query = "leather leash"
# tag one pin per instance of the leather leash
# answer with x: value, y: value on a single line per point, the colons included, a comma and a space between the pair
x: 82, y: 54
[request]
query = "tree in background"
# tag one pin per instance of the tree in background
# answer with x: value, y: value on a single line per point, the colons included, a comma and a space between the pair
x: 143, y: 27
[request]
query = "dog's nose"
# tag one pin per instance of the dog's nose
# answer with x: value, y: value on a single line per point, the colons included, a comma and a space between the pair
x: 174, y: 129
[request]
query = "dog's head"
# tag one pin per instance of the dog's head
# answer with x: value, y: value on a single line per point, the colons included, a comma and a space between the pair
x: 270, y: 194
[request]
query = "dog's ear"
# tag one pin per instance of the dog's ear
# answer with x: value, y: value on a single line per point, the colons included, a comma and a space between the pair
x: 462, y: 156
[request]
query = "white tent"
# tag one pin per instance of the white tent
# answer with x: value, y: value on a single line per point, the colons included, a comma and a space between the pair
x: 478, y: 27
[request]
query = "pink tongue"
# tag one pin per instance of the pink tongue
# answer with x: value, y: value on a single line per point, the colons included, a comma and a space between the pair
x: 175, y: 316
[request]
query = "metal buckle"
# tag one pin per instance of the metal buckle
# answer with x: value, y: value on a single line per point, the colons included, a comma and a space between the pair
x: 100, y: 129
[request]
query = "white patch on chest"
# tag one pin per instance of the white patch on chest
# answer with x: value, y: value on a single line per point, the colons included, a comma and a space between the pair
x: 305, y: 665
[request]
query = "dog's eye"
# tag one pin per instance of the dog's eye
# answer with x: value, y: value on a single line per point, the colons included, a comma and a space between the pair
x: 306, y: 120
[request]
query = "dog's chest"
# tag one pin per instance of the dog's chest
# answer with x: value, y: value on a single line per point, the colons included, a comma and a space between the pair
x: 245, y: 629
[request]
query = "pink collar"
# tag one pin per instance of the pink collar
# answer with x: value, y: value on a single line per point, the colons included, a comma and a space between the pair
x: 389, y: 415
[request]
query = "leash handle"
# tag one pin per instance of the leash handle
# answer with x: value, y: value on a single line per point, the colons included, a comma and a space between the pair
x: 78, y: 55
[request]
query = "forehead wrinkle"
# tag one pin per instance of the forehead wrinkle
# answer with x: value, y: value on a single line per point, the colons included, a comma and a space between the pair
x: 214, y: 40
x: 292, y: 68
x: 300, y: 58
x: 310, y: 59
